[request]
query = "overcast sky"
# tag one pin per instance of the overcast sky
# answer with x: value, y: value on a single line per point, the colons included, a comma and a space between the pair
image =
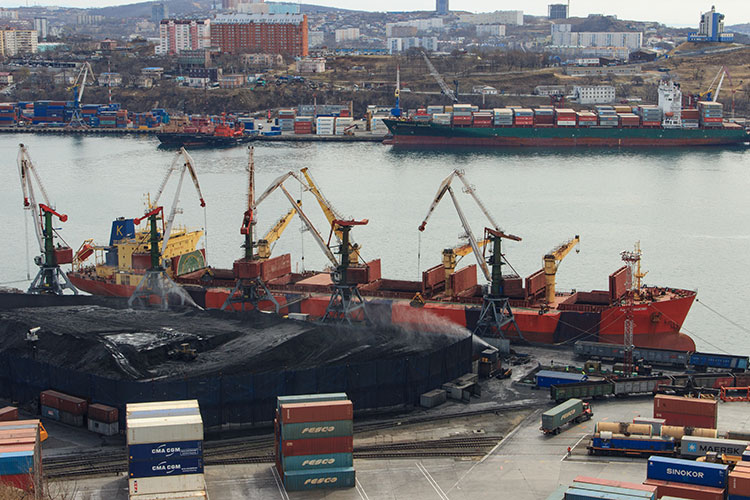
x: 673, y: 12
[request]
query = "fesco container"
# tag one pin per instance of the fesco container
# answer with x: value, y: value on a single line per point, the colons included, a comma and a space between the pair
x: 166, y: 467
x: 684, y: 490
x: 316, y: 412
x: 310, y: 430
x: 165, y: 429
x: 310, y: 398
x: 17, y: 462
x: 318, y: 446
x: 159, y: 451
x: 562, y: 414
x: 301, y: 480
x: 687, y: 471
x: 616, y: 490
x: 695, y: 446
x: 324, y: 461
x: 153, y: 485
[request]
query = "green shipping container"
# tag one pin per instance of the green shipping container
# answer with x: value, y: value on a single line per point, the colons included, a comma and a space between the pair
x: 562, y: 414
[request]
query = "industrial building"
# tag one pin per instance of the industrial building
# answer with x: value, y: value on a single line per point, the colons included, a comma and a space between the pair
x: 558, y: 11
x: 177, y: 35
x: 563, y: 36
x: 441, y: 7
x: 711, y: 28
x: 244, y: 33
x: 312, y: 65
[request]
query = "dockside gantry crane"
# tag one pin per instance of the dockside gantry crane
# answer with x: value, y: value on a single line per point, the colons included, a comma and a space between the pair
x: 156, y: 282
x: 85, y: 75
x: 50, y: 279
x: 496, y: 312
x: 552, y: 261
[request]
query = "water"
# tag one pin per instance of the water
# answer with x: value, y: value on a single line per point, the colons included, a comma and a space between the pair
x: 689, y: 209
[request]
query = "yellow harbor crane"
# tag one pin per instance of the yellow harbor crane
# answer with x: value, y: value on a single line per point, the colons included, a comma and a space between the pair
x: 451, y: 256
x: 552, y: 262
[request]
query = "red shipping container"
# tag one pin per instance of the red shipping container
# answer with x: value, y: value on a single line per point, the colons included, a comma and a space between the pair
x: 321, y: 411
x: 682, y: 419
x: 8, y: 413
x: 615, y: 484
x: 103, y: 413
x: 690, y: 406
x: 739, y: 483
x: 21, y: 481
x: 276, y: 267
x: 683, y: 490
x: 64, y: 402
x: 318, y: 446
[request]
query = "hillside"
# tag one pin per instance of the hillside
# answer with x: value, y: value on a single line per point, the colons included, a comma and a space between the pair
x: 185, y: 7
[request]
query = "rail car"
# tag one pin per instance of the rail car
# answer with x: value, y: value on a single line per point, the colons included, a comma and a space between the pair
x: 664, y: 357
x: 607, y: 443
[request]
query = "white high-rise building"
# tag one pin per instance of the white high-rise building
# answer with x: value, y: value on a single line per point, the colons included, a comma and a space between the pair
x: 40, y: 25
x: 513, y: 17
x: 176, y: 35
x: 563, y: 36
x: 16, y: 42
x: 347, y: 35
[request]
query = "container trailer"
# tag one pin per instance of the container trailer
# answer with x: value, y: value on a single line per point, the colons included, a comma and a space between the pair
x: 572, y: 411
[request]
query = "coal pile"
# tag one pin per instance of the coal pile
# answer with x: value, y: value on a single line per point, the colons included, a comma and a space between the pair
x: 144, y: 345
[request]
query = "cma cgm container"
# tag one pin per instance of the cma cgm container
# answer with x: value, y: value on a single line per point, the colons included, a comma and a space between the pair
x: 325, y: 478
x: 547, y: 378
x: 694, y: 446
x: 687, y: 471
x: 166, y: 467
x: 163, y: 450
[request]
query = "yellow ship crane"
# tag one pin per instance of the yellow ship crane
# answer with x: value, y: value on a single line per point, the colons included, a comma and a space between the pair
x: 264, y: 244
x: 552, y: 262
x: 451, y: 256
x: 331, y: 214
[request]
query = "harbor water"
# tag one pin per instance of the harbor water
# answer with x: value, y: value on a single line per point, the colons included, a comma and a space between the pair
x: 688, y: 207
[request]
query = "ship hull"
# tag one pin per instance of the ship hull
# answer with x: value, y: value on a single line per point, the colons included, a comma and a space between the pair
x: 407, y: 133
x: 176, y: 140
x: 656, y: 324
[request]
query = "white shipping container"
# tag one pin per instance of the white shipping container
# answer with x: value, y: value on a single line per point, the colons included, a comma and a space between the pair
x: 166, y: 484
x: 156, y: 430
x: 161, y: 405
x: 174, y: 495
x: 566, y: 123
x: 342, y: 123
x: 104, y: 428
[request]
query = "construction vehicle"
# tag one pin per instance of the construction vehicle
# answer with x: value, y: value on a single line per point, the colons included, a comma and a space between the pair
x: 50, y: 279
x: 85, y: 75
x: 552, y: 261
x: 183, y: 353
x: 496, y: 312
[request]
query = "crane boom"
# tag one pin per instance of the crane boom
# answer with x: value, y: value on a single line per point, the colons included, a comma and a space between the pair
x: 27, y: 171
x: 439, y: 79
x: 552, y: 262
x: 468, y: 188
x: 316, y: 235
x: 472, y: 240
x: 721, y: 82
x: 273, y: 234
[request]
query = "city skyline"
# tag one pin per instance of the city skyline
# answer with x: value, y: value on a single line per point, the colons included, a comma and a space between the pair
x: 642, y: 10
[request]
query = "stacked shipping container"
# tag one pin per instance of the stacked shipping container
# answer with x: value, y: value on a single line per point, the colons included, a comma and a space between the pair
x: 303, y: 125
x: 650, y: 115
x: 686, y: 478
x: 590, y: 488
x: 342, y: 123
x: 462, y: 115
x: 544, y: 116
x: 63, y: 407
x: 689, y: 412
x: 286, y: 119
x: 325, y: 125
x: 314, y: 441
x: 738, y: 486
x: 502, y: 117
x: 103, y: 419
x: 565, y: 117
x: 21, y: 455
x: 711, y: 113
x: 523, y: 117
x: 165, y: 450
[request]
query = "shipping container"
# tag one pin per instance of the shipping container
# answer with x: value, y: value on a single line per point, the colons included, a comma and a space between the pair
x: 180, y: 495
x: 152, y: 485
x: 579, y: 494
x: 70, y: 419
x: 687, y: 471
x: 17, y: 462
x: 609, y: 482
x: 163, y: 413
x: 547, y: 378
x: 433, y: 398
x: 159, y: 451
x: 311, y: 430
x: 165, y: 467
x: 64, y: 402
x: 104, y: 428
x: 316, y: 412
x: 310, y: 398
x: 694, y: 446
x: 324, y: 461
x: 322, y: 478
x: 686, y: 420
x: 573, y: 410
x: 51, y: 413
x: 739, y: 483
x: 318, y: 446
x: 689, y: 406
x: 103, y: 413
x: 23, y: 482
x: 8, y: 413
x: 683, y: 490
x: 156, y: 430
x: 616, y: 490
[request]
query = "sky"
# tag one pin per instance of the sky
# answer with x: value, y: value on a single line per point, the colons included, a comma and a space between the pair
x: 671, y: 12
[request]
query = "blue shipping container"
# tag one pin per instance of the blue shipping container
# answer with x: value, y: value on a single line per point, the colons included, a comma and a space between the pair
x: 578, y: 494
x: 324, y: 478
x: 737, y: 497
x: 170, y: 467
x: 633, y: 444
x: 16, y: 462
x: 310, y: 462
x: 309, y: 430
x: 161, y: 451
x: 547, y: 378
x: 169, y: 412
x: 687, y: 471
x: 52, y: 413
x: 642, y: 494
x: 746, y: 456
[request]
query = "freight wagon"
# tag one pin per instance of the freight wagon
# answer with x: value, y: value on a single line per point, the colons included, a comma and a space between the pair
x: 613, y: 387
x: 663, y: 357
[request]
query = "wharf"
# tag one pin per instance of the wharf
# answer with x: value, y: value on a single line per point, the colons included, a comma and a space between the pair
x: 78, y: 131
x: 319, y: 138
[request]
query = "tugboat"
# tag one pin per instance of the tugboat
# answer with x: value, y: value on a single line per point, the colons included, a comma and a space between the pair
x: 204, y: 134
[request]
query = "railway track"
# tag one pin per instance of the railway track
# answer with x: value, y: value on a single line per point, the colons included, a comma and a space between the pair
x: 261, y: 451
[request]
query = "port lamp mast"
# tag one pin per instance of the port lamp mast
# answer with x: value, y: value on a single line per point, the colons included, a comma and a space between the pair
x: 633, y: 261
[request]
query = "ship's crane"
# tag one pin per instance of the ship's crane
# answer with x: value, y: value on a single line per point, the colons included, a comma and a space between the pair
x: 439, y: 79
x: 85, y: 76
x: 396, y: 111
x: 156, y: 282
x: 50, y: 278
x: 552, y: 261
x: 496, y: 312
x: 451, y: 256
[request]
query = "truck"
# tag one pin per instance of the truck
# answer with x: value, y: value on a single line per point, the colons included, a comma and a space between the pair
x: 572, y: 410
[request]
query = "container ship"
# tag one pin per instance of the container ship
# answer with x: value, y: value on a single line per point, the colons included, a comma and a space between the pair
x: 665, y: 125
x: 541, y: 314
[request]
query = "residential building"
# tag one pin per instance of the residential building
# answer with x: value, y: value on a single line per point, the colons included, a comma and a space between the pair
x: 8, y: 14
x: 213, y: 74
x: 428, y: 43
x: 254, y: 8
x: 87, y: 19
x: 263, y: 61
x: 347, y: 35
x: 312, y: 65
x: 484, y: 90
x: 176, y: 35
x: 594, y: 94
x: 229, y: 4
x: 441, y: 7
x: 711, y: 28
x: 513, y: 17
x: 153, y: 72
x: 490, y: 30
x: 159, y: 11
x: 197, y: 82
x: 558, y: 11
x: 233, y: 81
x: 563, y: 36
x: 108, y: 44
x: 434, y: 23
x: 283, y: 8
x: 315, y: 39
x: 40, y: 25
x: 144, y: 82
x: 109, y: 80
x: 18, y: 42
x: 6, y: 78
x: 275, y: 34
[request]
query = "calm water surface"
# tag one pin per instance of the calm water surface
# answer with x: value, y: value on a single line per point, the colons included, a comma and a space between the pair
x: 689, y: 208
